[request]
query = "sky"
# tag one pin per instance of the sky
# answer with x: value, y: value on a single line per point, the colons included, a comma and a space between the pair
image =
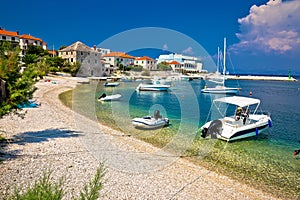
x: 263, y: 36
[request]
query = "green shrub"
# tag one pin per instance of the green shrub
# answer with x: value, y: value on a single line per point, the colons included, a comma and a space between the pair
x: 45, y: 189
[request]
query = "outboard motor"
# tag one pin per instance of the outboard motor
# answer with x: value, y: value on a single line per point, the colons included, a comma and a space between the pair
x: 214, y: 129
x: 102, y: 96
x: 204, y: 132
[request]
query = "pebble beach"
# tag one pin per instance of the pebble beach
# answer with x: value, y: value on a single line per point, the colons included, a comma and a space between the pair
x: 49, y: 139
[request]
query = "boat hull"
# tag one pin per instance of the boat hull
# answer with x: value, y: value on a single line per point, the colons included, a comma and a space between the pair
x: 237, y: 130
x: 154, y: 87
x: 150, y: 123
x: 114, y: 97
x: 111, y: 84
x: 221, y: 91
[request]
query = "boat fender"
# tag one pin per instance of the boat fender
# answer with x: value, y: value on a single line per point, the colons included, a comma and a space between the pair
x: 256, y: 132
x: 270, y: 123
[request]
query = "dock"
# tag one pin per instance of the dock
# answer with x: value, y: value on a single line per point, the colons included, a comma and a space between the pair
x: 261, y: 78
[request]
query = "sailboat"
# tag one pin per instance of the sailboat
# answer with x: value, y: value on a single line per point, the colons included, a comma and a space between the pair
x: 221, y: 88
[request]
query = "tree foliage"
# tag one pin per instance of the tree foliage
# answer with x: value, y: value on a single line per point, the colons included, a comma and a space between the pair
x: 19, y: 86
x: 164, y: 66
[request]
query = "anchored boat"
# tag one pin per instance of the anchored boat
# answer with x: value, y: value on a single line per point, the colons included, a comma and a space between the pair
x: 149, y: 122
x: 241, y: 124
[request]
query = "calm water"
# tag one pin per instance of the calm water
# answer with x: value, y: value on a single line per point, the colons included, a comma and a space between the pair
x: 267, y: 159
x: 281, y: 99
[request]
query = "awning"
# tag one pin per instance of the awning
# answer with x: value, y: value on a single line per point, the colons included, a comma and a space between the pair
x: 239, y: 101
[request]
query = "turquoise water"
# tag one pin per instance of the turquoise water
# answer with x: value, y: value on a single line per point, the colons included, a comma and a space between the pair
x: 281, y: 99
x: 267, y: 159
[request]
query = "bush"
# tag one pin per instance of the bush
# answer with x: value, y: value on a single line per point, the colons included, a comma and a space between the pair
x: 45, y: 189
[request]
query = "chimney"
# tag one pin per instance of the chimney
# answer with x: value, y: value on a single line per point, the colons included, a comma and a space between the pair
x: 95, y: 47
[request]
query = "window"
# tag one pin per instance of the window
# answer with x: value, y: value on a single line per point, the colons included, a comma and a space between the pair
x: 13, y: 38
x: 147, y: 62
x: 71, y: 59
x: 109, y: 59
x: 142, y: 62
x: 3, y: 37
x: 81, y: 53
x: 95, y: 61
x: 88, y: 61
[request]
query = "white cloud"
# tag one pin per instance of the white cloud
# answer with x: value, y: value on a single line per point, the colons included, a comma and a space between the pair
x: 272, y: 27
x: 165, y: 47
x: 188, y: 50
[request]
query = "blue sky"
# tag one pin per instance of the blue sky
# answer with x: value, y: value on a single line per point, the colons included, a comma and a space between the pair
x: 263, y: 36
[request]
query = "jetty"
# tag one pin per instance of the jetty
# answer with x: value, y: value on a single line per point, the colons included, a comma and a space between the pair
x: 261, y: 78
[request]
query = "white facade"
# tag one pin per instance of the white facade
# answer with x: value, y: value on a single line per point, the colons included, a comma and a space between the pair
x: 146, y: 63
x: 27, y: 40
x: 115, y: 59
x: 9, y: 36
x: 188, y: 63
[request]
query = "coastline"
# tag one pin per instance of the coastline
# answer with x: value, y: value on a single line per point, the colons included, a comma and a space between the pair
x: 48, y: 138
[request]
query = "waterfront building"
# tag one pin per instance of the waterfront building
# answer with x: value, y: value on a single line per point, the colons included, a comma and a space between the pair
x: 90, y: 59
x: 176, y: 66
x: 146, y: 62
x: 187, y: 63
x: 116, y: 59
x: 27, y: 40
x: 10, y: 36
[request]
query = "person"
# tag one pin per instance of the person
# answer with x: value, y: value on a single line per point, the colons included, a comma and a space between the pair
x: 245, y: 115
x: 157, y: 114
x: 238, y: 113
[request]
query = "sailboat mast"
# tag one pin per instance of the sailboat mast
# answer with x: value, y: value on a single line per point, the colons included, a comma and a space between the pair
x: 224, y: 58
x: 218, y: 61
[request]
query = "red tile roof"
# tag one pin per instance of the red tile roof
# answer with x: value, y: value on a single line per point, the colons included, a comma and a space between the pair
x: 174, y: 63
x: 29, y: 37
x: 144, y: 58
x: 8, y: 33
x: 118, y: 54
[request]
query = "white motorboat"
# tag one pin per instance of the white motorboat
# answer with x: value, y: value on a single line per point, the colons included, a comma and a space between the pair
x: 111, y: 84
x: 113, y: 97
x: 221, y: 88
x: 241, y: 124
x: 149, y: 122
x: 152, y: 87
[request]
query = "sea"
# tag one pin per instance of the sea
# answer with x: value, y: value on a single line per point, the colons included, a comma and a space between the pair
x: 266, y: 161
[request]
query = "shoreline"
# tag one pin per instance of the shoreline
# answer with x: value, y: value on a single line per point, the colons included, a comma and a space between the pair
x: 61, y: 147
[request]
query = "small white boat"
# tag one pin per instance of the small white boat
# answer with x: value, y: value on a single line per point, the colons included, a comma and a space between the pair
x: 221, y: 90
x: 111, y: 84
x: 149, y: 122
x: 114, y: 97
x: 242, y: 124
x: 152, y: 87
